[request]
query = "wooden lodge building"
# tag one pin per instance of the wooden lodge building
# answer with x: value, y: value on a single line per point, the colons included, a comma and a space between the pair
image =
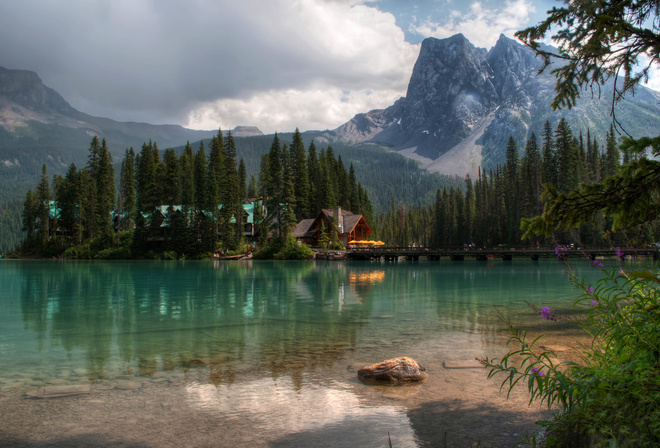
x: 349, y: 227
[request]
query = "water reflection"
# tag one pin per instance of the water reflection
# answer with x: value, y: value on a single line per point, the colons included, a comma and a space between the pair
x: 319, y: 415
x: 120, y: 318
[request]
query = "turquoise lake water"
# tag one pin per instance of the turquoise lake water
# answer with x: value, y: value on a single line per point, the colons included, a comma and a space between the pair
x: 267, y: 351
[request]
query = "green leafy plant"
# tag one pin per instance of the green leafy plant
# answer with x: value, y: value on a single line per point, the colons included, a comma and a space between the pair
x: 612, y: 397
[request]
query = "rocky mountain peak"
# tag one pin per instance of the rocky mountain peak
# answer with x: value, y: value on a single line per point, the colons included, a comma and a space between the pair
x: 515, y: 70
x: 26, y: 89
x: 463, y: 103
x: 449, y: 91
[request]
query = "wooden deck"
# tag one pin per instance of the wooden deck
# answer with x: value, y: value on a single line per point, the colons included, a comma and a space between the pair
x: 461, y: 253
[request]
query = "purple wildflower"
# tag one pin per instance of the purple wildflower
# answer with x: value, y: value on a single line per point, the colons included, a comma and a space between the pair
x: 559, y: 250
x: 546, y: 313
x: 538, y: 372
x: 590, y: 290
x: 619, y: 254
x: 594, y: 302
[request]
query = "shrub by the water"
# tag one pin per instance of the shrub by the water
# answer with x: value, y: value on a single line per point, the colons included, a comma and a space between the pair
x: 284, y: 249
x: 611, y: 398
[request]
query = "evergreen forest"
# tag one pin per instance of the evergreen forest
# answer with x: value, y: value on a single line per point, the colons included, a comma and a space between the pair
x: 190, y: 205
x: 397, y: 177
x: 487, y: 211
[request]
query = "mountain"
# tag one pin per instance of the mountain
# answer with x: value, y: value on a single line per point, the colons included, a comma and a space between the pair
x: 32, y: 114
x: 463, y: 103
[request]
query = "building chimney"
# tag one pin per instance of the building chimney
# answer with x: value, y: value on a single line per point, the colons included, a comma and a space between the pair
x: 338, y: 218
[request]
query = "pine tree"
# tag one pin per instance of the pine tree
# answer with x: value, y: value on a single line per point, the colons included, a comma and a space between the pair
x: 327, y: 196
x: 314, y: 172
x: 612, y: 156
x: 242, y: 180
x: 171, y: 186
x: 288, y: 194
x: 531, y: 178
x: 353, y: 200
x: 300, y: 176
x: 69, y: 202
x: 252, y: 187
x: 232, y: 203
x: 510, y: 191
x: 104, y: 183
x: 342, y: 185
x: 187, y: 179
x: 549, y: 156
x: 43, y: 207
x: 201, y: 180
x: 567, y: 157
x: 217, y: 170
x: 148, y: 196
x: 127, y: 190
x: 469, y: 210
x: 275, y: 185
x: 30, y: 215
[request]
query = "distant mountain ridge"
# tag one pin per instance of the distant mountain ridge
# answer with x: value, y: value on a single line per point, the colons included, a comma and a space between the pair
x: 463, y: 103
x: 34, y: 115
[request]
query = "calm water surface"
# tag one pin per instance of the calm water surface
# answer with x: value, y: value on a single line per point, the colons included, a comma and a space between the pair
x: 265, y: 353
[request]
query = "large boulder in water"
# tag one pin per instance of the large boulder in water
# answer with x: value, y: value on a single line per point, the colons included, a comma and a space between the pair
x: 393, y: 371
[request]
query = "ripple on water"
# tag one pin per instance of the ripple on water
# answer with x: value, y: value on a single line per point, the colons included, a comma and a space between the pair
x: 305, y: 411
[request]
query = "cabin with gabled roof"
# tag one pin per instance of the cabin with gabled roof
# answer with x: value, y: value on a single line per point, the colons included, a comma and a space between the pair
x: 348, y: 225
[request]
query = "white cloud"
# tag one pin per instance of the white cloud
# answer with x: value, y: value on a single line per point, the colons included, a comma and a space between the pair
x: 175, y: 61
x: 319, y: 107
x: 480, y: 25
x: 356, y: 58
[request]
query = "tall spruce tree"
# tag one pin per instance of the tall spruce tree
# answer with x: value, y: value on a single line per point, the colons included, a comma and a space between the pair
x: 288, y: 194
x: 275, y: 185
x: 510, y: 190
x: 242, y: 180
x: 612, y: 155
x: 531, y: 178
x: 127, y: 190
x: 314, y: 173
x: 187, y: 179
x: 30, y: 216
x: 201, y: 180
x: 549, y: 156
x: 300, y: 176
x: 171, y: 185
x: 231, y: 201
x: 568, y: 162
x: 217, y: 169
x: 104, y: 183
x: 67, y: 195
x: 148, y: 197
x: 43, y: 198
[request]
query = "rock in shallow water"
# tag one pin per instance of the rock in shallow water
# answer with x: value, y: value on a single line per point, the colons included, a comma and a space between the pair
x: 60, y: 391
x: 393, y: 371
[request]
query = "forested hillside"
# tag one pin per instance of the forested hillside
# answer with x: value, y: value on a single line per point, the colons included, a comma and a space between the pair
x: 190, y: 204
x: 383, y: 173
x: 489, y: 210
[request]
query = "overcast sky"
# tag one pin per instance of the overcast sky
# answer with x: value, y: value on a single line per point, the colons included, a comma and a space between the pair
x: 275, y: 64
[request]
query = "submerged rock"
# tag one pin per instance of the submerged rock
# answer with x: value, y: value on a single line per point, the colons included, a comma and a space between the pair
x: 393, y: 371
x: 60, y: 391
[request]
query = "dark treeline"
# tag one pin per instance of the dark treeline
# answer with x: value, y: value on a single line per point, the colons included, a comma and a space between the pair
x: 487, y: 212
x: 189, y: 205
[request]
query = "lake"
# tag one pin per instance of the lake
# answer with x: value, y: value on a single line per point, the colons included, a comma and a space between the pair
x: 209, y: 353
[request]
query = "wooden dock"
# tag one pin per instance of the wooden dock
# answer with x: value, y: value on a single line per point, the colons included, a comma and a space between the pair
x: 481, y: 254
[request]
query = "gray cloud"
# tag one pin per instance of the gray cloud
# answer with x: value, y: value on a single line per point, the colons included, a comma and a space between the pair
x: 158, y: 61
x: 277, y: 64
